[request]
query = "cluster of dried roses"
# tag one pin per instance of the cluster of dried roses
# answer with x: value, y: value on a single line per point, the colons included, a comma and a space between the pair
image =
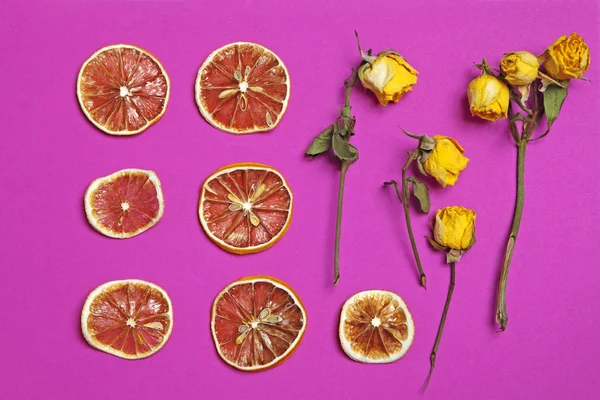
x: 538, y: 94
x: 520, y: 78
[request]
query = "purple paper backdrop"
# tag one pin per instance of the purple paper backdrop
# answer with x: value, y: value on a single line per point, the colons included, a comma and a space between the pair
x: 51, y: 258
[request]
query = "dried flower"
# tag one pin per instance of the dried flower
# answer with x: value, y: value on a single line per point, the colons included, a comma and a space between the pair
x: 568, y: 57
x: 488, y: 97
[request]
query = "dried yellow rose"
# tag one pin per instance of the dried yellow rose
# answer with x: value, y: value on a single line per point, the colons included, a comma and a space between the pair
x: 568, y: 57
x: 488, y: 97
x: 388, y: 75
x: 445, y: 162
x: 454, y: 227
x: 520, y: 68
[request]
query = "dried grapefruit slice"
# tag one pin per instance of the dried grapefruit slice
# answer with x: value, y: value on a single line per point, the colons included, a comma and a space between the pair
x: 257, y: 323
x: 376, y: 327
x: 243, y: 88
x: 124, y: 204
x: 123, y: 89
x: 130, y: 319
x: 245, y: 207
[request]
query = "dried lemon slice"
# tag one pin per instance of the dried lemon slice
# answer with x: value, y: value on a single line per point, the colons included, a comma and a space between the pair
x: 376, y: 327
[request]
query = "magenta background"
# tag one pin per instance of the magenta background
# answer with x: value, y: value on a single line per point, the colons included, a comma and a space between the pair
x: 51, y: 258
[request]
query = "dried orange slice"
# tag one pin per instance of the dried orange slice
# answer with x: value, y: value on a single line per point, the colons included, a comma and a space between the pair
x: 123, y: 89
x: 245, y: 207
x: 130, y: 319
x: 243, y: 88
x: 257, y: 323
x: 124, y: 204
x: 376, y: 327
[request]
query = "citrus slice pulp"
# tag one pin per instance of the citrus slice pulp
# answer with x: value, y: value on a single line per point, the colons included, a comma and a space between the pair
x: 243, y: 88
x: 124, y: 204
x: 257, y: 323
x: 245, y: 207
x: 130, y: 319
x: 376, y: 327
x: 123, y: 89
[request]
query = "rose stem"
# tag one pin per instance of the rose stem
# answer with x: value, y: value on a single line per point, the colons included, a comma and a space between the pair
x: 338, y: 223
x: 349, y: 84
x: 442, y: 322
x: 501, y: 316
x: 404, y: 199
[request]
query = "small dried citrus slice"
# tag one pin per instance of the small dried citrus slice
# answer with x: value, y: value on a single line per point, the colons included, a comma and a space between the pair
x: 257, y: 323
x: 123, y: 89
x: 376, y: 327
x: 245, y: 207
x: 243, y: 88
x: 124, y: 204
x: 130, y: 319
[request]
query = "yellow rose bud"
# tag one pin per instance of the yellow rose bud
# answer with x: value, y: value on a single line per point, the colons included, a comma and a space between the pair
x: 445, y: 162
x: 488, y: 97
x: 520, y: 68
x: 454, y: 227
x: 568, y: 57
x: 389, y: 76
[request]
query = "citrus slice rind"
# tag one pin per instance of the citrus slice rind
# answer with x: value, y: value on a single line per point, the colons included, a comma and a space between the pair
x: 123, y: 89
x: 376, y: 327
x: 125, y: 203
x: 130, y: 318
x: 243, y: 88
x: 257, y: 323
x: 245, y: 207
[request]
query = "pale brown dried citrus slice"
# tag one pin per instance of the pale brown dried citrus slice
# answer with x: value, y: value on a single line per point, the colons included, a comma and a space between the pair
x: 257, y: 323
x: 376, y: 327
x: 130, y: 319
x: 124, y: 204
x: 243, y: 88
x: 123, y: 89
x: 245, y: 207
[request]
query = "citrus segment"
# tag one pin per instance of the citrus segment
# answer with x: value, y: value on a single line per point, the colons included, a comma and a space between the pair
x: 130, y: 318
x: 124, y: 204
x: 123, y: 89
x: 243, y: 88
x: 245, y: 207
x: 376, y: 327
x: 257, y: 323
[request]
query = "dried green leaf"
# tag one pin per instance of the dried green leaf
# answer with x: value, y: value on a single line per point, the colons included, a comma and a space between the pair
x: 342, y: 149
x: 420, y: 165
x: 554, y: 97
x: 321, y: 143
x: 453, y: 256
x: 435, y: 244
x: 421, y: 192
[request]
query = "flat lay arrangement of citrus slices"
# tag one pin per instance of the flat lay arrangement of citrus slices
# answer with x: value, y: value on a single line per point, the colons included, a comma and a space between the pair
x: 130, y: 319
x: 124, y: 204
x: 123, y: 89
x: 257, y: 323
x: 245, y: 207
x: 376, y: 327
x: 243, y: 88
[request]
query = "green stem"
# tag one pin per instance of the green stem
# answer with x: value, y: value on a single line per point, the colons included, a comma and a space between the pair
x: 436, y: 345
x: 501, y: 316
x: 348, y: 84
x: 405, y: 202
x: 338, y: 223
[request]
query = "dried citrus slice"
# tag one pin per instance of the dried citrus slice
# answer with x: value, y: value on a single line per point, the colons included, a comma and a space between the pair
x: 257, y: 323
x: 245, y: 207
x: 124, y: 204
x: 123, y: 89
x: 376, y: 327
x: 243, y: 88
x: 130, y: 318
